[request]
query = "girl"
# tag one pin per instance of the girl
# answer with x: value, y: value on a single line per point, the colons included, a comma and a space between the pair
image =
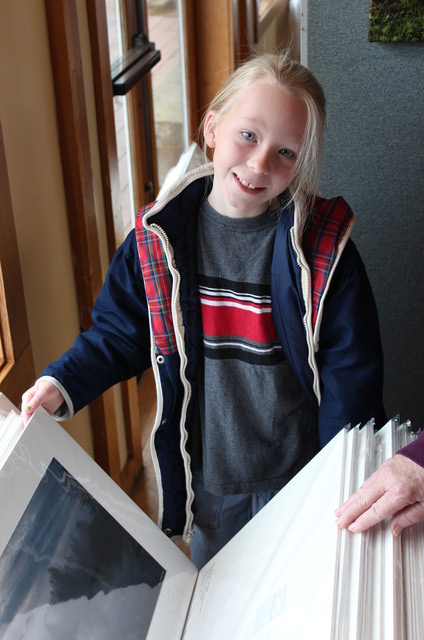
x: 243, y: 291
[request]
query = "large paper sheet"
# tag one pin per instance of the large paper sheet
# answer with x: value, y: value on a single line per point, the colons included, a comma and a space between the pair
x: 45, y: 462
x: 275, y: 578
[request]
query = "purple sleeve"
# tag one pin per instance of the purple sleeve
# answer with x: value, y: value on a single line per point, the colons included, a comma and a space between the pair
x: 415, y: 450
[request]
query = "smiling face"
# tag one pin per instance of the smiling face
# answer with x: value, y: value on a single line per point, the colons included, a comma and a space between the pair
x: 256, y: 143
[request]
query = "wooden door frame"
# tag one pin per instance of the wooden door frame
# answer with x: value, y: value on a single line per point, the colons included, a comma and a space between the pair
x: 217, y: 31
x: 66, y: 58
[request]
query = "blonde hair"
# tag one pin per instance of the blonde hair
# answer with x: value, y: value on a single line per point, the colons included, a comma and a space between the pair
x: 280, y: 70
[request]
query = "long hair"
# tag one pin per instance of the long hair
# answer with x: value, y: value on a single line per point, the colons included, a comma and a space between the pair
x: 280, y: 70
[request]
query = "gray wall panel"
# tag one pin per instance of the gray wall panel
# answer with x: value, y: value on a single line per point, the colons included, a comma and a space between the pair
x: 375, y: 158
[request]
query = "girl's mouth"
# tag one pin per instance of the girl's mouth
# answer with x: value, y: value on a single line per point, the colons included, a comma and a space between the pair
x: 245, y: 183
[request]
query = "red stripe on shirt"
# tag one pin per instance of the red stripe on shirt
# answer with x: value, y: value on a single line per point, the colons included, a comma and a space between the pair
x: 237, y: 319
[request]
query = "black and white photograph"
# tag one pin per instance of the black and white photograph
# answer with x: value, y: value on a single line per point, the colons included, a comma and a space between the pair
x: 70, y: 570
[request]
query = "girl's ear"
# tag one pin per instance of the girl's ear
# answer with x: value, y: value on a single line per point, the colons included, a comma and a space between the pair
x: 209, y: 129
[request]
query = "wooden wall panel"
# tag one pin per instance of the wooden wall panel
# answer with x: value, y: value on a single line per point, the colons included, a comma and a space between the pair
x: 17, y: 365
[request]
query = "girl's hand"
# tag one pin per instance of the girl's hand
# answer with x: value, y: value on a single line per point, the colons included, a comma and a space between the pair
x: 395, y: 489
x: 44, y: 394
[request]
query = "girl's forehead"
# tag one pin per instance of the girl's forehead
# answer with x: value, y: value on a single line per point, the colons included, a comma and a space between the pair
x: 261, y: 98
x: 253, y: 88
x: 261, y: 92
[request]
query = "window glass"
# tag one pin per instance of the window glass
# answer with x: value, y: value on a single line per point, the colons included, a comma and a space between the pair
x: 120, y: 106
x: 168, y: 79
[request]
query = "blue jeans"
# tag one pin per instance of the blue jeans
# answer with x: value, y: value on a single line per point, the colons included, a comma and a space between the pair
x: 218, y: 518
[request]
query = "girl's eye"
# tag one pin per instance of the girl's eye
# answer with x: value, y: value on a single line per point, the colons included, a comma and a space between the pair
x: 248, y: 135
x: 287, y: 153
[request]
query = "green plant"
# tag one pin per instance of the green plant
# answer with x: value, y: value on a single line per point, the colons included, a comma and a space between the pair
x: 396, y: 21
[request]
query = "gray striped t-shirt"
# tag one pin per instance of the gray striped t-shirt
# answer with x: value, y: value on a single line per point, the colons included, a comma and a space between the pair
x: 257, y: 427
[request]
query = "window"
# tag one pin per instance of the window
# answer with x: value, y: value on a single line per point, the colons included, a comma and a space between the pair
x: 165, y: 21
x: 131, y: 56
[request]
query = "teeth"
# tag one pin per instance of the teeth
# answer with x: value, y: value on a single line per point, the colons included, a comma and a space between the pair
x: 246, y: 184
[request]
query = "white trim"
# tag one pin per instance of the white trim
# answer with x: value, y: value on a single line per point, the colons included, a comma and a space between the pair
x: 303, y: 22
x: 69, y: 404
x: 175, y: 189
x: 188, y: 160
x: 159, y: 411
x: 306, y: 280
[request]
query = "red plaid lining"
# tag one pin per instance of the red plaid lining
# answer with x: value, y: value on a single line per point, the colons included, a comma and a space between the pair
x: 325, y: 229
x: 158, y: 285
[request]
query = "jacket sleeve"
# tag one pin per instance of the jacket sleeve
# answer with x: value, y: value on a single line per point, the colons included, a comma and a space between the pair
x: 117, y: 346
x: 350, y: 356
x: 415, y: 450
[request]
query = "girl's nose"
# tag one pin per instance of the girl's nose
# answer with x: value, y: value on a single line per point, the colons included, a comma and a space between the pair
x: 259, y: 161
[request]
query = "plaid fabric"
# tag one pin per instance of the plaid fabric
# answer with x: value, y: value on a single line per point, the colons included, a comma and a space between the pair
x: 158, y: 285
x: 325, y: 229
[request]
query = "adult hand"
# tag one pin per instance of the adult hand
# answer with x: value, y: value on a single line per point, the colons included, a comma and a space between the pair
x: 44, y: 394
x: 395, y: 489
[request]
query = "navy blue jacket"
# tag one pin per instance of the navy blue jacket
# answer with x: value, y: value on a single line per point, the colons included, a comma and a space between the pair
x: 325, y: 318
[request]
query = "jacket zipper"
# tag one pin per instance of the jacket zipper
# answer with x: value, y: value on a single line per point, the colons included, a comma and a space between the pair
x: 305, y: 276
x: 188, y: 529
